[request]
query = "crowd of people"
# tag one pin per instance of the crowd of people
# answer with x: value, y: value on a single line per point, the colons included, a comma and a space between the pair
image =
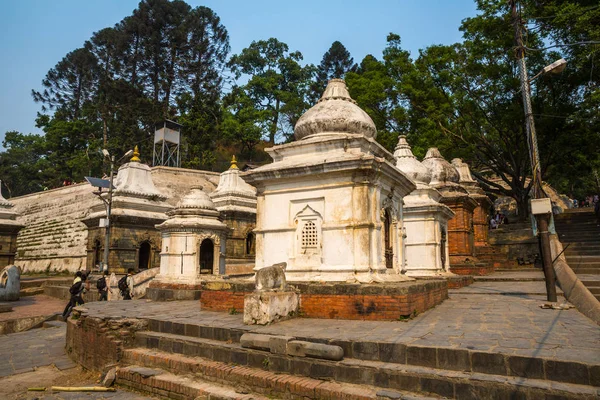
x: 589, y: 201
x: 81, y: 284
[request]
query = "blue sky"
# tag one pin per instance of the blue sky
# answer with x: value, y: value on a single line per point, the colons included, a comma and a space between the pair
x: 36, y: 34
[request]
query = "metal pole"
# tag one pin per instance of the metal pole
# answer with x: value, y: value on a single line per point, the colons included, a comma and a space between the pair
x: 536, y: 170
x: 108, y: 211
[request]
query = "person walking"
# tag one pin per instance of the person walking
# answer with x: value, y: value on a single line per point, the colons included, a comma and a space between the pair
x: 126, y: 285
x: 102, y: 287
x: 76, y: 290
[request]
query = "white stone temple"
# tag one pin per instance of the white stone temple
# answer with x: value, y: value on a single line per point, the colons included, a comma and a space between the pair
x: 193, y: 241
x: 425, y: 218
x: 330, y: 204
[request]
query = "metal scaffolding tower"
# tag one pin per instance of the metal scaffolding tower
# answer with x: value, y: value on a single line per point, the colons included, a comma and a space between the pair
x: 166, y: 144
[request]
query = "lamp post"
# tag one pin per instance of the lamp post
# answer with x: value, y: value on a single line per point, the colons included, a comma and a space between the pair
x: 108, y: 203
x: 543, y: 216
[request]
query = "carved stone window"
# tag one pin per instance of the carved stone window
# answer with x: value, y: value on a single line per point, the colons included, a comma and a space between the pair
x: 310, y: 236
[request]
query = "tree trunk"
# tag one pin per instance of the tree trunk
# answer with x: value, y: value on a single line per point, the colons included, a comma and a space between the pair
x: 273, y: 129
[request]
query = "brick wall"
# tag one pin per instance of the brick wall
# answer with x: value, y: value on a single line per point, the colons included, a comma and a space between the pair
x: 343, y: 301
x: 96, y: 343
x: 481, y: 221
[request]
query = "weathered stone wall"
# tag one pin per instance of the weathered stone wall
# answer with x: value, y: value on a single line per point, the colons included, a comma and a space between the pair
x: 8, y: 247
x: 54, y: 238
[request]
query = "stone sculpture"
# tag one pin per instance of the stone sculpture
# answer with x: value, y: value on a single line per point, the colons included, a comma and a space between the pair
x: 271, y: 302
x: 271, y: 278
x: 10, y: 283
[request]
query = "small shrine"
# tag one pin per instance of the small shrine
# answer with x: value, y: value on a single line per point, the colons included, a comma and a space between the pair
x: 482, y: 210
x: 236, y: 202
x: 137, y: 206
x: 425, y: 218
x: 445, y: 178
x: 193, y: 241
x: 9, y: 228
x: 330, y: 204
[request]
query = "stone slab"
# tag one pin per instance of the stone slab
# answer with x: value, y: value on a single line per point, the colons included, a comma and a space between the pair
x: 263, y: 308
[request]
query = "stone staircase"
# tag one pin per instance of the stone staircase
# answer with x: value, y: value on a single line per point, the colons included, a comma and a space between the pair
x: 187, y: 360
x: 578, y: 229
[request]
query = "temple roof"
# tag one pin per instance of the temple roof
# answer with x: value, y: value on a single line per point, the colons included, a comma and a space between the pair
x: 335, y: 112
x: 442, y: 172
x: 196, y: 200
x: 233, y: 193
x: 408, y: 163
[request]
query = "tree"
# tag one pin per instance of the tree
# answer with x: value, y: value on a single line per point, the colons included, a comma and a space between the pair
x: 479, y: 110
x: 22, y: 163
x: 371, y: 86
x: 163, y: 61
x: 336, y: 63
x: 277, y: 86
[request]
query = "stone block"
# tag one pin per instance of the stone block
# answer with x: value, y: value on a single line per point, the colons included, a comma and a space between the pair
x: 315, y: 350
x: 526, y: 367
x: 571, y: 372
x: 278, y: 344
x: 454, y: 359
x: 488, y: 363
x: 365, y: 350
x: 423, y: 356
x: 256, y: 341
x: 267, y: 307
x: 392, y: 352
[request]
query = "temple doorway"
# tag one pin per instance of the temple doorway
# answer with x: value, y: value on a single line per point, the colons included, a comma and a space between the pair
x: 206, y: 256
x: 443, y: 249
x: 389, y: 251
x: 97, y: 253
x: 250, y: 244
x: 144, y: 256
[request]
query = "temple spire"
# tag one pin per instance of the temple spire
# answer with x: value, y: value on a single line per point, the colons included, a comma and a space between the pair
x: 233, y: 163
x: 136, y: 155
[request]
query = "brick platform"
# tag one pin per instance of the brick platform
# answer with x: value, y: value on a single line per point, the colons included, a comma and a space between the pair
x: 340, y: 300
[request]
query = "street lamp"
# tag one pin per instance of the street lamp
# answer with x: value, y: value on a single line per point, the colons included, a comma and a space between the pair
x: 103, y: 183
x: 541, y: 206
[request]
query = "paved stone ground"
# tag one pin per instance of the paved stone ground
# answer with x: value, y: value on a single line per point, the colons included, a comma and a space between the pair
x: 37, y: 358
x: 531, y: 290
x: 24, y: 351
x: 33, y: 306
x: 504, y: 324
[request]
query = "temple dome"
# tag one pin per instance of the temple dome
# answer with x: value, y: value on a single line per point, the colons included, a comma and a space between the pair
x: 442, y: 172
x: 335, y: 112
x: 196, y: 199
x: 408, y: 163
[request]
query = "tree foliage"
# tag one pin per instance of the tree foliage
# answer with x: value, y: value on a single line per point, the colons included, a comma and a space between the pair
x: 169, y: 60
x: 277, y: 85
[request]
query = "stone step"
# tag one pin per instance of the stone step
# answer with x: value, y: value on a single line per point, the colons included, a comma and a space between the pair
x: 583, y: 259
x: 227, y: 349
x: 54, y: 324
x: 31, y: 291
x: 160, y: 383
x: 582, y: 252
x: 586, y: 271
x: 297, y: 377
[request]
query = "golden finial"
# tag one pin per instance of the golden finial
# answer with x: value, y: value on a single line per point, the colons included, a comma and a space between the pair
x: 136, y: 155
x: 233, y: 163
